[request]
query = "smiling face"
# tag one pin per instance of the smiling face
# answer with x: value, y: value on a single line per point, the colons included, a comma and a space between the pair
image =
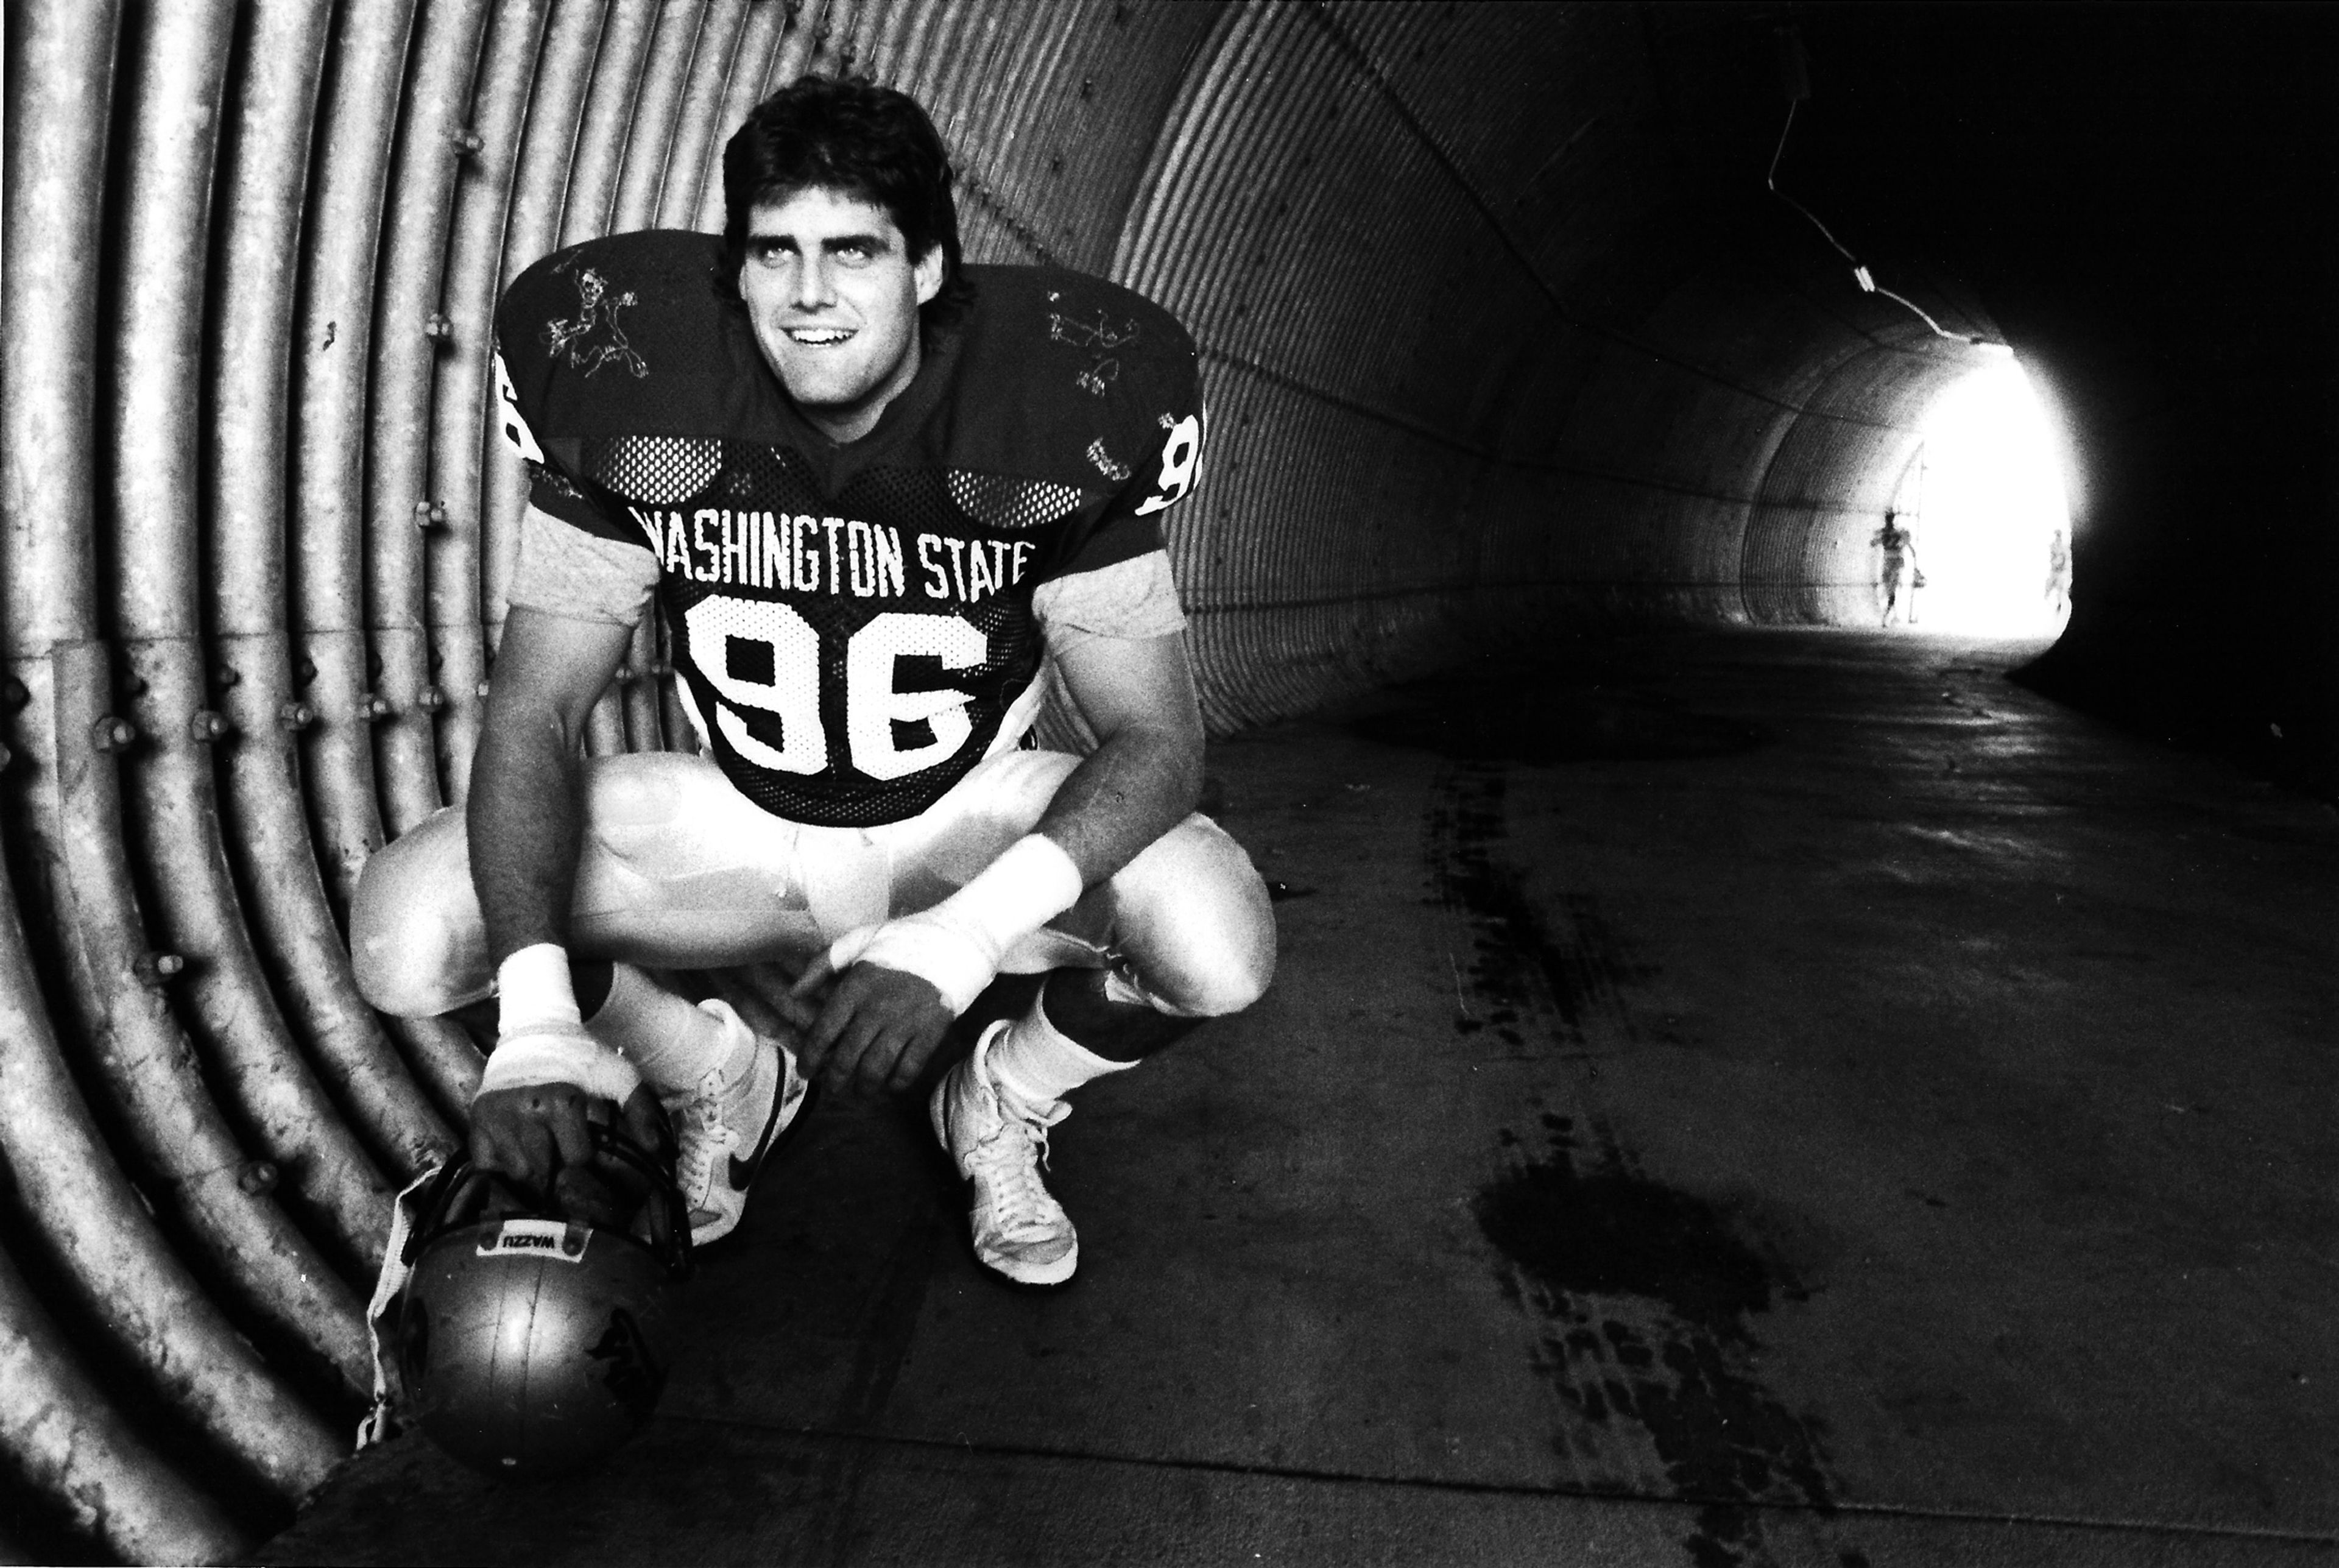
x: 834, y: 294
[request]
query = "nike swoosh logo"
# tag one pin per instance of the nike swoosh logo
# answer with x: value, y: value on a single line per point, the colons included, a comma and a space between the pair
x: 743, y: 1171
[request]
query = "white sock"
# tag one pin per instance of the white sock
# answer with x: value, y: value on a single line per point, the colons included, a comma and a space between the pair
x: 1041, y: 1064
x: 669, y: 1041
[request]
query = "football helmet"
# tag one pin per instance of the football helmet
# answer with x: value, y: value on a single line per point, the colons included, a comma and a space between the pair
x: 533, y: 1335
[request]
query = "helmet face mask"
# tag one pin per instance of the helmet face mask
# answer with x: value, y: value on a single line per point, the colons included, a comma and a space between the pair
x: 533, y: 1334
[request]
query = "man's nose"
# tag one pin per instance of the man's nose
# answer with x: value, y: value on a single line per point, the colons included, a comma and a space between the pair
x: 813, y: 290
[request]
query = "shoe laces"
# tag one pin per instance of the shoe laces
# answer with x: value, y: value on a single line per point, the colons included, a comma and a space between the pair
x: 1009, y: 1157
x: 705, y: 1134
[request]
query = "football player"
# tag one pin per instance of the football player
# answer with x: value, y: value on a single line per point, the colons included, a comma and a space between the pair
x: 886, y: 503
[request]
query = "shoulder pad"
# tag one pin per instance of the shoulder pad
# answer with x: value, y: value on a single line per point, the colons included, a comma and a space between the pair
x: 1099, y: 372
x: 631, y: 333
x: 1088, y: 320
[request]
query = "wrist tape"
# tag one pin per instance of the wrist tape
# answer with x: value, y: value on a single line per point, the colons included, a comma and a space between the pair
x: 956, y: 946
x: 540, y: 1038
x: 533, y: 987
x: 558, y: 1053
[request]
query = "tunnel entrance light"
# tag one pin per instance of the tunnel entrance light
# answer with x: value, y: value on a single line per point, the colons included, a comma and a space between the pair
x: 1992, y: 526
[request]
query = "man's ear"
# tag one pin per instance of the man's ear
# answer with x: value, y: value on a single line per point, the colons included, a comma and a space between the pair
x: 929, y: 275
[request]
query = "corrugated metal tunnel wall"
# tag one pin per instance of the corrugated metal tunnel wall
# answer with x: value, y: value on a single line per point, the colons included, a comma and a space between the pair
x: 1500, y: 339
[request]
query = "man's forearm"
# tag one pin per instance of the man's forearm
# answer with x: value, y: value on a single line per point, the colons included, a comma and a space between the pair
x: 523, y: 817
x: 1136, y: 786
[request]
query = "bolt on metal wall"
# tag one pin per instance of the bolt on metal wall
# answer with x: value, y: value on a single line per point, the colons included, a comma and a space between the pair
x: 1488, y: 352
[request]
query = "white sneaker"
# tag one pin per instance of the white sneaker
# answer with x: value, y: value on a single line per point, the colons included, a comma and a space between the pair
x: 726, y: 1128
x: 1000, y: 1142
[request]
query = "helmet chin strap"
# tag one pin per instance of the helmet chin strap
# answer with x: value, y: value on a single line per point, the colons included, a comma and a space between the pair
x: 396, y: 1264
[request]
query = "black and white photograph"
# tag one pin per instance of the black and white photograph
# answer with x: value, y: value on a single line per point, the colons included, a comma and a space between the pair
x: 1159, y: 784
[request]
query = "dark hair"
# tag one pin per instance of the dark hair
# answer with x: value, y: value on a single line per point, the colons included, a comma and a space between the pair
x: 847, y: 135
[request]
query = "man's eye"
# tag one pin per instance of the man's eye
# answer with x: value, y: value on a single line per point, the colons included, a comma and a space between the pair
x: 768, y: 252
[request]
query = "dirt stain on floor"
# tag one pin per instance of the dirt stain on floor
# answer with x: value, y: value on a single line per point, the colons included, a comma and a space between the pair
x: 1648, y: 1296
x: 1607, y: 1233
x: 1555, y: 962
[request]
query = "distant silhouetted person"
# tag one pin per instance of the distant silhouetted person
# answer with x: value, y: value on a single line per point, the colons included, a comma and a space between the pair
x: 2058, y: 572
x: 1897, y: 577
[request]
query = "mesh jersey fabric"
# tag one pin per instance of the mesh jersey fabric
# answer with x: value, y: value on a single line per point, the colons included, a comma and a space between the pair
x: 852, y: 625
x: 567, y: 572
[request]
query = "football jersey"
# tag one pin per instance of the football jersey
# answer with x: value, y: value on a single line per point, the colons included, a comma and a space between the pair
x: 851, y: 624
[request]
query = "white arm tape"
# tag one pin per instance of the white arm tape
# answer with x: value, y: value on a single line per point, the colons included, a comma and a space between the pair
x: 956, y: 946
x: 553, y: 1054
x: 533, y: 987
x: 1016, y: 894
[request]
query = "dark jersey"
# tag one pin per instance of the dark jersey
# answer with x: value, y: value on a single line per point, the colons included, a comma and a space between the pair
x: 852, y: 623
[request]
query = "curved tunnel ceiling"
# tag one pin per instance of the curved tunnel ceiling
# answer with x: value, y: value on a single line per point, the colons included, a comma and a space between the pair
x: 1501, y: 338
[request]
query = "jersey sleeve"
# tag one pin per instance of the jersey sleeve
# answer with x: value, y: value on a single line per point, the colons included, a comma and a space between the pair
x: 528, y: 376
x: 550, y: 487
x: 1150, y: 440
x: 579, y: 559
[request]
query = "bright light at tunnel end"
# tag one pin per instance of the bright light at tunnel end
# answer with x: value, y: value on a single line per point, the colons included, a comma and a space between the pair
x: 1993, y: 524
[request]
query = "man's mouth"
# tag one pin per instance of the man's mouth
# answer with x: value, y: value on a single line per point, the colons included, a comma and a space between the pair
x: 818, y: 337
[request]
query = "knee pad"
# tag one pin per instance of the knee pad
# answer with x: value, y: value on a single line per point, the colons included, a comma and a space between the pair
x: 416, y: 942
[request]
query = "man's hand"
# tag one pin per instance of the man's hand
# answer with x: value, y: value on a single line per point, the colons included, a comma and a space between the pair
x: 877, y: 1029
x: 761, y: 993
x: 530, y: 1132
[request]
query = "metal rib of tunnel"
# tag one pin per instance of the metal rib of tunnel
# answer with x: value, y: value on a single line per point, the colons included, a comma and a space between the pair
x: 1493, y: 341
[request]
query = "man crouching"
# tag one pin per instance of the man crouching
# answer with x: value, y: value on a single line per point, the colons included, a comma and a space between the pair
x: 879, y: 496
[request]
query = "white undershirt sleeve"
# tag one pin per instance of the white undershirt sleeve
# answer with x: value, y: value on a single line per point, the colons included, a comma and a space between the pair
x: 565, y: 571
x: 1135, y: 599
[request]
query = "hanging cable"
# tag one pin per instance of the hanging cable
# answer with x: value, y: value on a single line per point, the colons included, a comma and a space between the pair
x: 1795, y: 79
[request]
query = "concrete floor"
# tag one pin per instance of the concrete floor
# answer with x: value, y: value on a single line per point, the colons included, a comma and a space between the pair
x: 1751, y: 1098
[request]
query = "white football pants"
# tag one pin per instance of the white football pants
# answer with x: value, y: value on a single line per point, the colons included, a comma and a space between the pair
x: 677, y: 870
